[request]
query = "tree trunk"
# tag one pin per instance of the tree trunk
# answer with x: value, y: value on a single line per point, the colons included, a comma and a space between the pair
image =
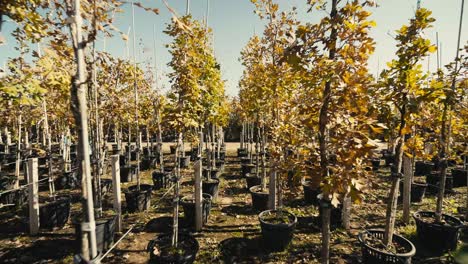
x: 79, y: 104
x: 323, y: 123
x: 18, y: 150
x: 346, y: 212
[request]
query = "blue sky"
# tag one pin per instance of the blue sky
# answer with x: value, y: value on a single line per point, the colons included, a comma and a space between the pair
x: 234, y: 22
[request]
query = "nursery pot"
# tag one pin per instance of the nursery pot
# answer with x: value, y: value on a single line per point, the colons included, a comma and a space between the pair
x: 422, y: 168
x: 184, y: 161
x: 68, y: 180
x: 259, y: 198
x: 418, y: 189
x: 335, y: 215
x: 242, y: 152
x: 373, y: 255
x: 211, y: 187
x: 220, y: 165
x: 194, y: 154
x: 310, y: 192
x: 247, y: 168
x: 105, y: 231
x: 252, y: 180
x: 56, y: 213
x: 389, y: 158
x: 214, y: 173
x: 188, y: 203
x: 161, y: 250
x: 432, y: 181
x: 7, y: 181
x: 375, y: 164
x: 439, y: 237
x: 459, y: 176
x: 138, y: 201
x: 173, y: 149
x: 245, y: 160
x: 146, y: 163
x: 126, y: 174
x: 160, y: 180
x: 277, y: 228
x: 18, y: 197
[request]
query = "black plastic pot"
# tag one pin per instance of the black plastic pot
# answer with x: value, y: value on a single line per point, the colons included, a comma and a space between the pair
x: 335, y: 216
x: 160, y: 180
x: 423, y: 168
x: 259, y: 198
x: 221, y: 156
x: 252, y: 180
x: 188, y: 203
x: 247, y: 168
x: 389, y: 158
x: 245, y: 160
x: 242, y: 152
x: 105, y: 232
x: 371, y: 255
x: 122, y: 160
x: 7, y: 182
x: 439, y: 237
x: 161, y: 250
x: 68, y: 180
x: 126, y: 174
x: 146, y: 164
x: 310, y: 193
x: 375, y: 164
x: 18, y: 197
x: 214, y: 173
x: 211, y: 187
x: 184, y: 161
x: 55, y: 214
x: 432, y: 181
x: 133, y: 155
x: 138, y: 201
x: 173, y: 149
x: 220, y: 165
x: 418, y: 189
x: 277, y: 228
x: 194, y: 154
x: 459, y: 176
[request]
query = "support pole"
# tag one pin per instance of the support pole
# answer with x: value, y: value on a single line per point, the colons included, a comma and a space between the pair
x: 116, y: 187
x: 198, y: 196
x: 33, y: 196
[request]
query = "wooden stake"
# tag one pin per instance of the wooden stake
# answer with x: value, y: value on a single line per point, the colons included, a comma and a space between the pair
x: 116, y: 187
x: 33, y: 196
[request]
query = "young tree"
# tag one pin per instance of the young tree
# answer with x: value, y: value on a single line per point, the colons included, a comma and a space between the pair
x: 401, y: 84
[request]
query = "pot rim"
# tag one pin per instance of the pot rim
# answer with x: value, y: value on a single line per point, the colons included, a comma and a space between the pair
x: 362, y: 241
x: 416, y: 216
x: 260, y: 215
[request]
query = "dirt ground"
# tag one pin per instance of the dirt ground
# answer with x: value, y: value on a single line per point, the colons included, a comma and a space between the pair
x: 232, y: 234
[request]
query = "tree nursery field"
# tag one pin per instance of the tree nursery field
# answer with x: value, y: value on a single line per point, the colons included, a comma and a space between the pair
x: 315, y: 160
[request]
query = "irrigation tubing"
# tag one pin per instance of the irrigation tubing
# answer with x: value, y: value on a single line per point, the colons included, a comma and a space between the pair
x: 132, y: 226
x: 23, y: 186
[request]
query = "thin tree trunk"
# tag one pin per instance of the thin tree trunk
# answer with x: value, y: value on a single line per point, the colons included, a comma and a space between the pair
x: 408, y: 176
x: 323, y: 123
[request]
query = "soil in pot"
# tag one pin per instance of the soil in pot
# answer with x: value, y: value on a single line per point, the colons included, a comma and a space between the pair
x: 55, y: 214
x: 439, y: 237
x: 259, y: 198
x: 423, y: 168
x: 160, y: 180
x: 418, y: 189
x: 277, y: 228
x: 459, y: 176
x: 311, y: 191
x: 105, y: 232
x: 161, y: 250
x: 138, y: 200
x: 211, y: 187
x: 247, y: 168
x: 252, y: 180
x: 188, y: 203
x: 401, y: 250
